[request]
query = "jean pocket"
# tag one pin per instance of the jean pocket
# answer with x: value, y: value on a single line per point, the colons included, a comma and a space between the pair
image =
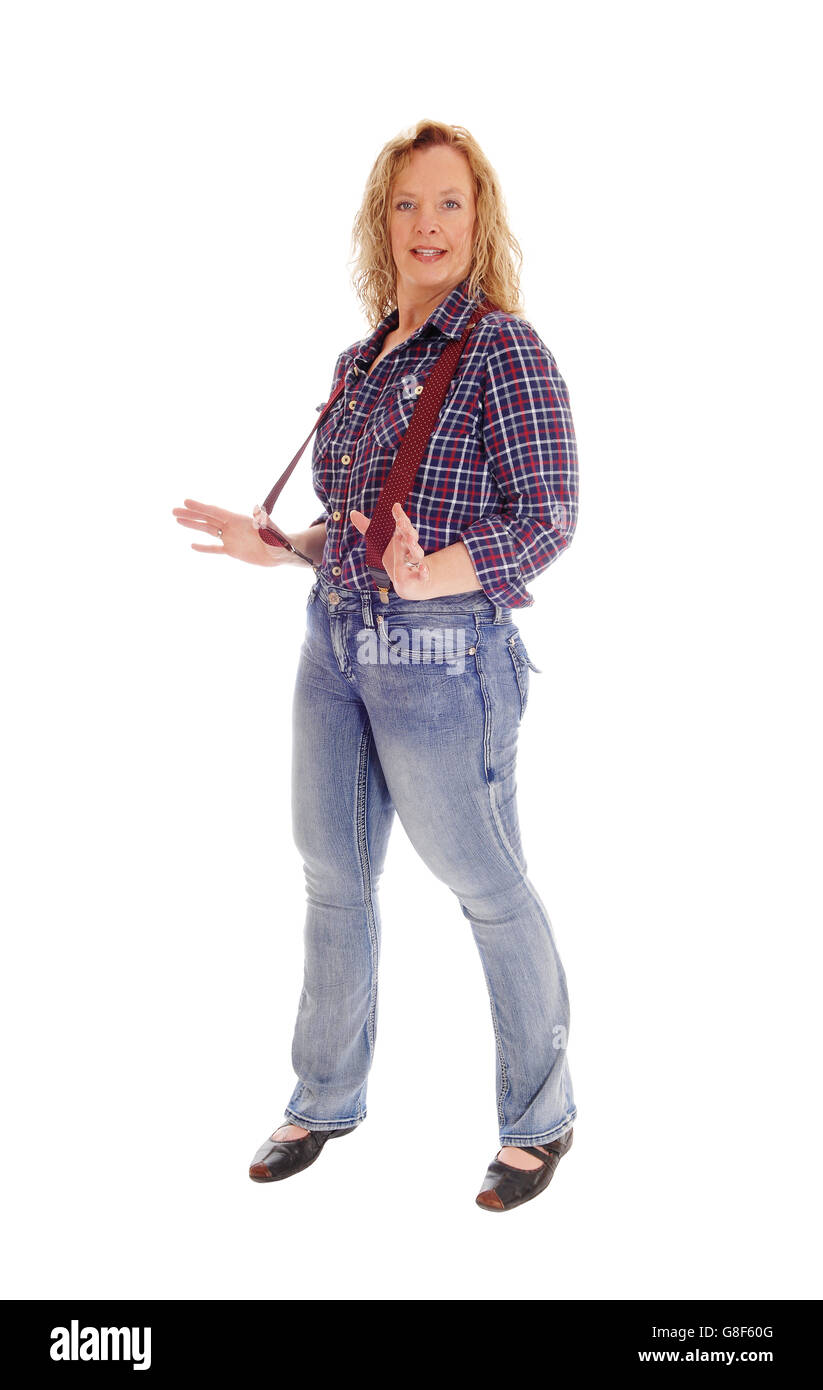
x: 522, y: 663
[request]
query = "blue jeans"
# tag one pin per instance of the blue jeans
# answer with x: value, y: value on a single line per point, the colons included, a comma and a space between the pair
x: 414, y: 706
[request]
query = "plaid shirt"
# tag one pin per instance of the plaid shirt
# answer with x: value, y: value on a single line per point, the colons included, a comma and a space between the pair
x: 500, y: 473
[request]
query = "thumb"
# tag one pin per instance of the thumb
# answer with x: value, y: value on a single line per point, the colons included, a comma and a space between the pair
x: 360, y: 520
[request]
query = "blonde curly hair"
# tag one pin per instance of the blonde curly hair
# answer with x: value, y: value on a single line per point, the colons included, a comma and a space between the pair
x: 496, y: 254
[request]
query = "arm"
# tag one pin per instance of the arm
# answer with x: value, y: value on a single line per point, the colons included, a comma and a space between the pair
x: 311, y: 542
x: 450, y: 571
x: 530, y: 446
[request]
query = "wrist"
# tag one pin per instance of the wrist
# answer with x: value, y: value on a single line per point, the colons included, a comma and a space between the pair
x: 279, y: 554
x: 450, y: 572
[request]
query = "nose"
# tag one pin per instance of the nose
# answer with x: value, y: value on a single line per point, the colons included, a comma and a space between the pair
x: 427, y: 223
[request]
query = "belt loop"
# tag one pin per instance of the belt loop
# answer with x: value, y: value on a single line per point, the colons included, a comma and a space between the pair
x: 365, y: 603
x: 499, y: 613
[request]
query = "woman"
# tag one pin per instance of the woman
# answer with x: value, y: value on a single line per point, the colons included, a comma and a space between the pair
x: 416, y: 697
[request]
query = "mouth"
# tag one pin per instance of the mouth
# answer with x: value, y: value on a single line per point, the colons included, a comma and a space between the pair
x: 427, y: 254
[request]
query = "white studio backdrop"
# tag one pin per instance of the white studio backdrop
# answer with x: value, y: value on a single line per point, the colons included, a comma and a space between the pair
x: 180, y: 183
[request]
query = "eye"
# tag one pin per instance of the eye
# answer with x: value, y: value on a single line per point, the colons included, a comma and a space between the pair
x: 406, y: 203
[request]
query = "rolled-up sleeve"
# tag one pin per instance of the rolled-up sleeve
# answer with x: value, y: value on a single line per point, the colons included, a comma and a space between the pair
x: 531, y: 452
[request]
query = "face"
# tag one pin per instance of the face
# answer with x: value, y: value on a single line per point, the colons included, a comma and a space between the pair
x: 432, y: 206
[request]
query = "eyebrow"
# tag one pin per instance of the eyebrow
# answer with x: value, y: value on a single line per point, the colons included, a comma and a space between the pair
x: 404, y: 193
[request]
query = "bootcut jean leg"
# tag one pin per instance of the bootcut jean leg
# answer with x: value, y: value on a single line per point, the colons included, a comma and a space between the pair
x: 342, y: 816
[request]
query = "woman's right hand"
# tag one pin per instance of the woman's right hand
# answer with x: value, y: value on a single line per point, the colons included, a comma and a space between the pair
x: 239, y: 536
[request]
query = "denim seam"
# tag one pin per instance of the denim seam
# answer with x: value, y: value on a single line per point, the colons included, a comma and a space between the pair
x: 306, y: 1121
x: 392, y: 646
x: 504, y: 1072
x: 484, y: 693
x: 339, y: 634
x: 344, y: 642
x: 365, y: 869
x: 427, y: 610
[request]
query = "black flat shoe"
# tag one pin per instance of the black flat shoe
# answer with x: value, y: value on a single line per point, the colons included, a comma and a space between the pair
x: 281, y: 1158
x: 505, y: 1187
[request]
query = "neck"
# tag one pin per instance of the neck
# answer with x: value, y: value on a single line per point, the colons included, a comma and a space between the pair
x: 414, y: 304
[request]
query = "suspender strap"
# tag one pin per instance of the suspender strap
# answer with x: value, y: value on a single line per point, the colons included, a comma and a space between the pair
x: 272, y: 534
x: 412, y: 448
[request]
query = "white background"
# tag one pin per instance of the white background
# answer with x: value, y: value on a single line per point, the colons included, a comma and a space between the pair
x: 180, y: 182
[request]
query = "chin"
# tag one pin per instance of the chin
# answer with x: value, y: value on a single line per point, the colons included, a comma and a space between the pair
x: 444, y: 270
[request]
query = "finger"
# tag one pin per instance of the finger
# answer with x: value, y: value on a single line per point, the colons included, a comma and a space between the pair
x: 200, y: 518
x: 360, y: 520
x: 403, y: 524
x: 203, y: 526
x: 206, y: 509
x: 210, y: 549
x: 410, y: 547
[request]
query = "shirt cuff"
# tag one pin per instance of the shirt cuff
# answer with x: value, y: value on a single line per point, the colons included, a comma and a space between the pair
x: 493, y: 553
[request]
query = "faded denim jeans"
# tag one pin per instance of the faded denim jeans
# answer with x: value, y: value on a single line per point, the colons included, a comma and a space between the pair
x: 414, y: 707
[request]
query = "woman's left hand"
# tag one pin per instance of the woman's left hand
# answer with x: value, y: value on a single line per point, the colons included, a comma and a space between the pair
x: 404, y: 546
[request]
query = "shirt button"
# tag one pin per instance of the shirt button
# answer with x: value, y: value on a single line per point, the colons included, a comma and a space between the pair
x: 418, y: 390
x: 345, y: 459
x: 335, y: 569
x: 333, y: 597
x: 351, y: 405
x: 336, y: 516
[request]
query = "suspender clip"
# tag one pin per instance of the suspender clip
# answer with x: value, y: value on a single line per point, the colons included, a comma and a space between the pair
x: 382, y: 583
